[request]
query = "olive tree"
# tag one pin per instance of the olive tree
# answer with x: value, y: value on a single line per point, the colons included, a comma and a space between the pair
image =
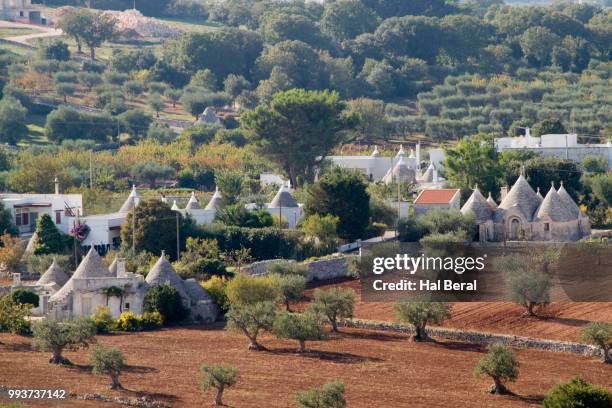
x: 335, y: 303
x: 291, y: 289
x: 330, y: 395
x: 50, y: 335
x: 251, y: 319
x: 299, y: 326
x: 419, y: 314
x: 219, y: 377
x: 108, y: 362
x: 501, y: 365
x: 600, y: 335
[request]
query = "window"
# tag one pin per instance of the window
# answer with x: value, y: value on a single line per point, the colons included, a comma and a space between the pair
x: 22, y: 216
x: 546, y: 226
x: 127, y: 306
x: 58, y: 217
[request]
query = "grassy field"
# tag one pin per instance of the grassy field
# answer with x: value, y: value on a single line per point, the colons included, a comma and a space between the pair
x: 17, y: 31
x: 383, y: 370
x: 36, y: 134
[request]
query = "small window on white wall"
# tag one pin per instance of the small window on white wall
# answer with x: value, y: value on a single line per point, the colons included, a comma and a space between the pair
x: 127, y: 306
x: 546, y: 227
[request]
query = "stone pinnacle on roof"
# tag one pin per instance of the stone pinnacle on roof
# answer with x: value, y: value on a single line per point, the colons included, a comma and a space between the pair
x: 215, y: 201
x: 54, y: 275
x: 428, y: 176
x: 491, y: 202
x: 478, y: 206
x: 375, y: 153
x: 163, y: 199
x: 539, y: 193
x: 193, y: 203
x: 521, y: 197
x: 132, y: 201
x: 568, y: 201
x: 554, y: 208
x: 113, y: 267
x: 401, y: 152
x: 412, y: 156
x: 283, y: 198
x: 174, y: 206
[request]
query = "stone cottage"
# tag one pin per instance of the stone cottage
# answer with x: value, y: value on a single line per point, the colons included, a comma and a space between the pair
x: 524, y: 214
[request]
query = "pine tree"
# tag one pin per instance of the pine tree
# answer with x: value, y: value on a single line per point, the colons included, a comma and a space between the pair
x: 49, y: 238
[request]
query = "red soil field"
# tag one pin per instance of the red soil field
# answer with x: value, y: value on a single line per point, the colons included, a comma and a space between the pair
x: 379, y: 369
x: 559, y: 321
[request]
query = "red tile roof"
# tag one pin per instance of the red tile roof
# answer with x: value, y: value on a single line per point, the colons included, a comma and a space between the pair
x: 436, y: 196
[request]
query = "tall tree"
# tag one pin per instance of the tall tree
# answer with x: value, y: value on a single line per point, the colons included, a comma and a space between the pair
x: 99, y: 28
x: 49, y: 239
x: 12, y: 120
x: 346, y: 19
x: 297, y: 128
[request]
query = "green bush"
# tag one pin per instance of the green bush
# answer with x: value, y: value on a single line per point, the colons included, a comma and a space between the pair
x: 129, y: 321
x: 167, y: 301
x: 578, y: 394
x: 103, y: 320
x: 25, y: 297
x: 215, y: 286
x: 375, y: 229
x: 13, y: 316
x: 38, y: 264
x: 151, y: 320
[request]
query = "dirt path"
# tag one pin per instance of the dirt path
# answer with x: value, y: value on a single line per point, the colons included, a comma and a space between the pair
x: 45, y: 32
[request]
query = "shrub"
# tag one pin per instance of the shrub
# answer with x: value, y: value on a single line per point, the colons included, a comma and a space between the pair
x: 49, y: 239
x: 409, y: 230
x: 216, y: 287
x: 576, y: 394
x: 25, y: 297
x: 375, y: 229
x: 109, y: 362
x: 330, y: 395
x: 129, y: 321
x: 251, y: 319
x: 13, y: 316
x: 299, y: 326
x: 38, y: 264
x: 335, y: 303
x: 245, y: 290
x: 501, y: 365
x: 419, y: 314
x: 53, y: 336
x: 166, y: 300
x: 600, y: 335
x: 151, y: 320
x: 219, y: 377
x: 103, y: 319
x: 291, y: 289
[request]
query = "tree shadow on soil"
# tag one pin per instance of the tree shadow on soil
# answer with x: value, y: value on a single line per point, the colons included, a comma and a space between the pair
x: 149, y: 395
x: 17, y: 347
x: 460, y: 346
x: 566, y: 321
x: 127, y: 369
x: 368, y: 336
x: 529, y: 399
x: 343, y: 358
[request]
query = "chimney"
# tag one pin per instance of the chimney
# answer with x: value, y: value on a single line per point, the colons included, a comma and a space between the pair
x: 56, y: 183
x: 418, y: 155
x: 121, y: 272
x: 16, y: 279
x: 504, y: 192
x: 435, y: 175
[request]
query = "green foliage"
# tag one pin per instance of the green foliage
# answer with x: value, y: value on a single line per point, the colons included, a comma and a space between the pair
x: 297, y: 127
x: 330, y: 395
x: 323, y: 228
x: 419, y: 314
x: 299, y: 326
x: 38, y: 264
x: 334, y: 304
x: 230, y: 185
x: 50, y: 335
x: 129, y: 321
x: 216, y: 287
x: 6, y: 221
x: 56, y: 49
x: 291, y: 289
x: 577, y: 393
x: 25, y: 297
x: 288, y: 268
x: 410, y: 230
x: 238, y: 216
x: 595, y: 164
x: 600, y: 335
x: 12, y: 120
x: 437, y: 222
x: 155, y: 228
x: 151, y: 171
x: 220, y: 377
x: 49, y: 240
x: 251, y: 319
x: 343, y: 194
x: 247, y: 290
x: 548, y: 126
x: 200, y: 259
x: 104, y: 321
x: 501, y: 365
x: 108, y: 361
x: 347, y: 19
x: 166, y: 300
x: 66, y: 123
x: 13, y: 316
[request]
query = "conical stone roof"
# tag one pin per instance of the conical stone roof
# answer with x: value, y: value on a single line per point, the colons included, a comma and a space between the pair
x: 375, y: 153
x: 428, y: 176
x: 568, y: 201
x: 131, y: 202
x: 400, y: 171
x: 92, y: 266
x: 54, y: 275
x: 491, y: 202
x: 215, y: 201
x: 193, y: 203
x: 522, y: 197
x: 283, y: 198
x: 163, y: 273
x: 554, y: 208
x: 478, y: 206
x: 401, y: 152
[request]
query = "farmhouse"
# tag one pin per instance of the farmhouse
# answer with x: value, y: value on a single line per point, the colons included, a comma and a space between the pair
x: 20, y: 10
x: 525, y: 214
x: 446, y: 198
x: 94, y: 284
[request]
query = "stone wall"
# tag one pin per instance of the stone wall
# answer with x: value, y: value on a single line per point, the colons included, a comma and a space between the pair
x: 319, y: 270
x: 481, y: 338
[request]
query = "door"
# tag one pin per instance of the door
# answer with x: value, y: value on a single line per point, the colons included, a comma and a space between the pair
x: 86, y: 306
x: 515, y: 226
x: 33, y: 218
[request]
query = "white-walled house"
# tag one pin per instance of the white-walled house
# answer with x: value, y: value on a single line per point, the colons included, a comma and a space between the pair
x: 446, y: 198
x: 27, y: 208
